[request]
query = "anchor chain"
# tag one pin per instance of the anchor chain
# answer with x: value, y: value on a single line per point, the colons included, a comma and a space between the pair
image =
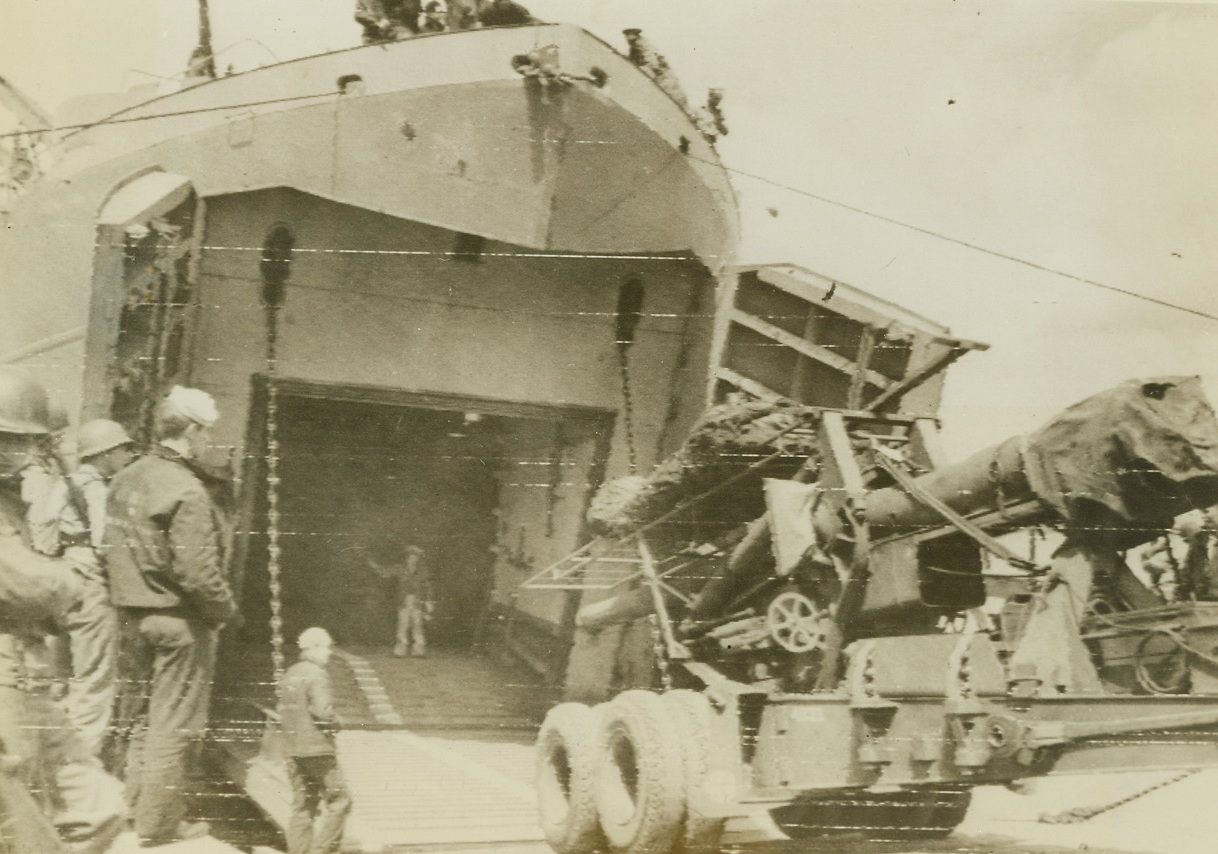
x: 628, y: 408
x: 1077, y: 815
x: 660, y: 650
x: 273, y: 567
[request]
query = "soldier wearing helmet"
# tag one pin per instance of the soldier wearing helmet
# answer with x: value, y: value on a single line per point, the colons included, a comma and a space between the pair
x: 76, y: 797
x: 643, y: 54
x: 104, y: 449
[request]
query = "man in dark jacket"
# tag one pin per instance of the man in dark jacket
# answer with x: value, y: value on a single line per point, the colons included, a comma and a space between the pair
x: 54, y: 795
x: 166, y: 580
x: 308, y: 722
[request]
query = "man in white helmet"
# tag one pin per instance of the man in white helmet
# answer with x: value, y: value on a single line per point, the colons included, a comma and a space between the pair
x: 162, y: 546
x: 309, y: 724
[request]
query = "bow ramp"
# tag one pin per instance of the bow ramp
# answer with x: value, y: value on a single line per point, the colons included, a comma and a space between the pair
x: 437, y: 753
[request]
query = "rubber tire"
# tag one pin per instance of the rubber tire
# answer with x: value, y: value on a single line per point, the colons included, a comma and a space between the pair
x: 927, y: 814
x: 640, y: 796
x: 693, y: 715
x: 567, y: 754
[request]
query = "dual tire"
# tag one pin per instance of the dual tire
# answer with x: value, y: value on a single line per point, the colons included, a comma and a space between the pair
x: 621, y: 777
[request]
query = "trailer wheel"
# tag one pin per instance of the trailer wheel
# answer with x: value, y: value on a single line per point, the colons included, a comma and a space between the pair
x: 700, y: 834
x: 930, y: 814
x: 639, y: 793
x: 566, y: 779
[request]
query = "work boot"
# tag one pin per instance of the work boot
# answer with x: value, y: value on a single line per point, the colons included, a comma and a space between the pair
x: 418, y: 652
x: 185, y: 830
x: 399, y: 650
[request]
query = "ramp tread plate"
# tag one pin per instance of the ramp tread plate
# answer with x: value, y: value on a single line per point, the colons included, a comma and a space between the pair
x: 409, y: 790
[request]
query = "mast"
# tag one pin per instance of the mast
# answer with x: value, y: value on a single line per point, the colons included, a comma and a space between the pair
x: 202, y: 62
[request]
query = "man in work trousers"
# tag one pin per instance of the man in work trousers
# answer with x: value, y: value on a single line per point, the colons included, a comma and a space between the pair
x: 104, y: 449
x: 163, y: 555
x: 308, y: 723
x: 54, y: 794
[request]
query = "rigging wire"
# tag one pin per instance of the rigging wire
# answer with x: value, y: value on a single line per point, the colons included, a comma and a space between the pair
x: 119, y: 120
x: 957, y: 241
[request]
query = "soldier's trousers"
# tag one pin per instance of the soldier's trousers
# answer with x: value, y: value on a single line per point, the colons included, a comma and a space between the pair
x: 165, y: 667
x: 410, y: 627
x: 83, y: 802
x: 316, y: 781
x: 92, y: 626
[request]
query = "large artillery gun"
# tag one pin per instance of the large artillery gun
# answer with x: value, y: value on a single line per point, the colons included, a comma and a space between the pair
x: 889, y: 630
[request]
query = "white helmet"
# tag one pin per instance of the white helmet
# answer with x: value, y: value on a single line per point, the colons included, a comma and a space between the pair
x: 314, y: 638
x: 98, y: 436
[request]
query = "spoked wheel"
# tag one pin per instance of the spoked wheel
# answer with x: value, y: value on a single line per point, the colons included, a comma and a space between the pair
x: 922, y: 814
x: 1161, y: 663
x: 796, y: 623
x: 803, y: 636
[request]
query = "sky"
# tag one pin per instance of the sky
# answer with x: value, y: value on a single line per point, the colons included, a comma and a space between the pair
x: 972, y: 161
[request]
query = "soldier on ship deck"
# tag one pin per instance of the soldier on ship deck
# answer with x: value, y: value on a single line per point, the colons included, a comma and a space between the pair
x: 504, y: 13
x: 643, y: 54
x: 388, y: 20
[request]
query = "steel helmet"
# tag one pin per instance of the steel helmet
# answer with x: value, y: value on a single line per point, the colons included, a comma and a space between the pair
x: 58, y: 419
x: 23, y: 404
x: 98, y: 436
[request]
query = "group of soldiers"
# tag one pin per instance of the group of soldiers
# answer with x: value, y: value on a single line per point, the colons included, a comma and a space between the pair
x: 390, y: 20
x: 112, y: 595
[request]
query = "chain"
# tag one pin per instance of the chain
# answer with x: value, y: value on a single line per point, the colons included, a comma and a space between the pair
x: 628, y: 407
x: 1081, y: 814
x: 272, y: 493
x: 661, y: 653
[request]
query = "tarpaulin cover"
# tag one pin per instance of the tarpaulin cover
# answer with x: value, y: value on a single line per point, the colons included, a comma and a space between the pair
x: 727, y: 440
x: 789, y: 508
x: 1146, y: 450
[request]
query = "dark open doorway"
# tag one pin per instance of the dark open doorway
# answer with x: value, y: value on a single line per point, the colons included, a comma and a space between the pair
x: 476, y: 483
x: 359, y: 480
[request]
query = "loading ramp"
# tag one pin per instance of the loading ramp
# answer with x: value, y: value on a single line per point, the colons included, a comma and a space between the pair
x: 437, y: 752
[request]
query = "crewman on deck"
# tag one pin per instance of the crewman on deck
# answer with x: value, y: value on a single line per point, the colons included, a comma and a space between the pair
x: 54, y: 795
x: 387, y: 20
x: 644, y: 55
x: 504, y: 13
x: 309, y: 725
x: 709, y: 117
x: 434, y: 18
x: 166, y: 579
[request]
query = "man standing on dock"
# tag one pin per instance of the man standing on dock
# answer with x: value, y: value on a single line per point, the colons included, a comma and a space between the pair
x: 104, y: 449
x: 163, y: 551
x: 52, y: 790
x: 309, y: 724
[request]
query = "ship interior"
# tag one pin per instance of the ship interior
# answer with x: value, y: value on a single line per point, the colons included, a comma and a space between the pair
x: 358, y: 479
